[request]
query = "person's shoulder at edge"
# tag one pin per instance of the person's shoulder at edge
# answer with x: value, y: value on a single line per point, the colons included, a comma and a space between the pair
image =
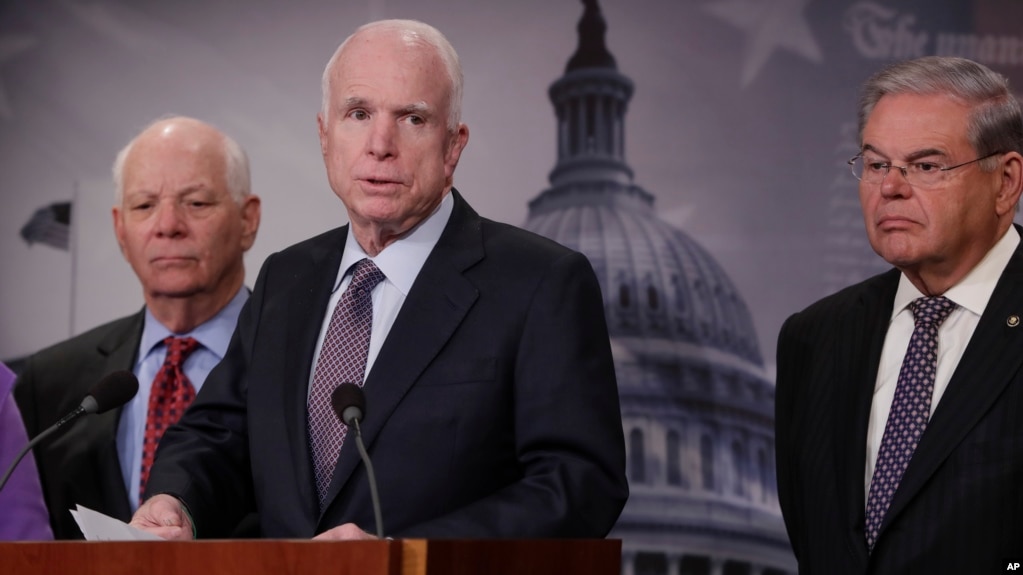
x: 848, y: 295
x: 70, y: 350
x: 24, y: 511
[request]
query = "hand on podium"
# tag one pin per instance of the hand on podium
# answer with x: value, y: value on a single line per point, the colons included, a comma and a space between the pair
x: 346, y: 532
x: 164, y: 515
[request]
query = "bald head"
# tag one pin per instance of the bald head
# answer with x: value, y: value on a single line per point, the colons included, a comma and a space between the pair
x: 184, y: 218
x: 414, y: 34
x: 183, y: 131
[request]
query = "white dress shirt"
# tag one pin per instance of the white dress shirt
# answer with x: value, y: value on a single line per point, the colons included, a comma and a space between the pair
x: 971, y: 295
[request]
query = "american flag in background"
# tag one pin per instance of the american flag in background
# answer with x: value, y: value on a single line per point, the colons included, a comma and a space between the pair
x: 50, y: 225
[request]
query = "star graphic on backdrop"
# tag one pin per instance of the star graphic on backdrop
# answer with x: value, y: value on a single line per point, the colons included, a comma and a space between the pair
x: 10, y: 46
x: 769, y: 25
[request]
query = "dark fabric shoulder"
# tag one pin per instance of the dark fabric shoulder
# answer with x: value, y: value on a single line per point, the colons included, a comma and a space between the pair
x: 327, y: 242
x: 515, y: 240
x: 54, y: 380
x: 848, y: 296
x: 470, y: 239
x: 113, y: 332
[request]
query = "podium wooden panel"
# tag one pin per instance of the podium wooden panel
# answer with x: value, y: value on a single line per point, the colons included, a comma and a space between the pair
x: 511, y: 557
x: 258, y: 557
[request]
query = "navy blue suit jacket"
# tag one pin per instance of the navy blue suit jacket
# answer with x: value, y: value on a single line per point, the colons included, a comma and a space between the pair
x: 959, y: 506
x: 492, y: 407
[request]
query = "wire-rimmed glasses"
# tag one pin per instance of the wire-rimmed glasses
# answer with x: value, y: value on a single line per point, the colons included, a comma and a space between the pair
x: 917, y: 174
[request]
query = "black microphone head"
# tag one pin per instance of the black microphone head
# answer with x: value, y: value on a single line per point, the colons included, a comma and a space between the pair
x: 348, y: 402
x: 112, y: 391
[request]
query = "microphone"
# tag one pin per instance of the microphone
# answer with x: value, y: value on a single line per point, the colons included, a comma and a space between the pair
x: 349, y: 405
x: 112, y: 391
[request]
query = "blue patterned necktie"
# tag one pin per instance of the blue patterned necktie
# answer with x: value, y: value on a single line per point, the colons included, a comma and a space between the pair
x: 911, y: 408
x: 342, y: 359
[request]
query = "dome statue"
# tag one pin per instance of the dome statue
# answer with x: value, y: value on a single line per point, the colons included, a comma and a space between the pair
x: 697, y: 406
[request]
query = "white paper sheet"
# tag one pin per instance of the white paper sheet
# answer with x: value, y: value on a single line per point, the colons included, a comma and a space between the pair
x: 99, y: 527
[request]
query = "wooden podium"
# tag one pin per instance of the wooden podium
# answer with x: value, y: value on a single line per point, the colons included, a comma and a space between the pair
x: 274, y: 557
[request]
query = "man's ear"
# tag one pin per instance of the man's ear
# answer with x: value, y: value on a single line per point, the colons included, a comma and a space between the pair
x: 321, y: 126
x: 1011, y: 183
x: 119, y: 229
x: 457, y: 141
x: 251, y: 210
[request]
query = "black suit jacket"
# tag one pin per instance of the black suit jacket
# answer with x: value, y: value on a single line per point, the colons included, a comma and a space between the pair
x: 492, y: 407
x: 959, y: 506
x: 81, y: 465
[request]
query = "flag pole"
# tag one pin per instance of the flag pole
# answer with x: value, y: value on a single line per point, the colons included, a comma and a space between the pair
x: 73, y: 248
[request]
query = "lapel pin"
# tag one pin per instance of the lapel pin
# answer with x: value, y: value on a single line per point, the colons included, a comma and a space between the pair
x: 1012, y: 321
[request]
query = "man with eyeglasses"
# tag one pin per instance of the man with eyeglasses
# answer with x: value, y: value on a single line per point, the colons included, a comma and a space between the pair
x: 899, y: 400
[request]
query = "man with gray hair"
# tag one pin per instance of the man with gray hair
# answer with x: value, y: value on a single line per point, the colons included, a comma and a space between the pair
x: 184, y: 217
x: 899, y: 434
x: 491, y: 401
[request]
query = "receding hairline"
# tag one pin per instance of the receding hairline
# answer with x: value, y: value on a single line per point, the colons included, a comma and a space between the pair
x: 961, y: 80
x: 412, y: 32
x: 236, y: 171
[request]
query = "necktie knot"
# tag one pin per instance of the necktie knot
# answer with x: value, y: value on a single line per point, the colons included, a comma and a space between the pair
x: 366, y: 277
x: 179, y: 348
x: 931, y: 310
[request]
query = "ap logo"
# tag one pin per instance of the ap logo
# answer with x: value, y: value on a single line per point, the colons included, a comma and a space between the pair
x: 1012, y: 567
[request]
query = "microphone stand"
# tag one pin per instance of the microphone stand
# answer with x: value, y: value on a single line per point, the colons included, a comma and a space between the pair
x: 35, y: 440
x: 374, y: 497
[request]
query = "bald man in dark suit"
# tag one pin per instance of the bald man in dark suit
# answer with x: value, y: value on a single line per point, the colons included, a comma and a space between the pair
x: 492, y: 404
x: 184, y: 216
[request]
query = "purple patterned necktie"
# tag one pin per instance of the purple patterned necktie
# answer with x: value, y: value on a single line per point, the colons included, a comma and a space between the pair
x: 342, y: 359
x: 911, y: 408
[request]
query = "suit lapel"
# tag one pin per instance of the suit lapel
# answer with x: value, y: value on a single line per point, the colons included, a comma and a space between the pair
x: 119, y: 351
x: 986, y: 368
x: 858, y: 354
x: 436, y: 304
x: 304, y: 318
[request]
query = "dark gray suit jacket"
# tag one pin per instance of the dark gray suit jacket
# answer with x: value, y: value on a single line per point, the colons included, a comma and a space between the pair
x: 492, y: 407
x: 959, y: 506
x: 81, y: 465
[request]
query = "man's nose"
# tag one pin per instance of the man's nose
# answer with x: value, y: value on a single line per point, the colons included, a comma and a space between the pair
x: 894, y: 183
x: 170, y: 219
x: 383, y: 139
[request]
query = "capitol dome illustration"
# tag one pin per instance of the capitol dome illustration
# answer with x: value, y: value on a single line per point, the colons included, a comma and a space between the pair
x: 697, y: 406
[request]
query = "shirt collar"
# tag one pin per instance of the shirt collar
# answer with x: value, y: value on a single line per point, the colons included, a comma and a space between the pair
x: 973, y: 291
x: 214, y: 334
x: 401, y: 261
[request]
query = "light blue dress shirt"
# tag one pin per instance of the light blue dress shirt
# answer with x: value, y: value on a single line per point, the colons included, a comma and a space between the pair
x: 400, y: 262
x: 213, y: 336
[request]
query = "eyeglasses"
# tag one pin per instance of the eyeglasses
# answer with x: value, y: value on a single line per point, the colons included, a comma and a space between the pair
x: 917, y: 174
